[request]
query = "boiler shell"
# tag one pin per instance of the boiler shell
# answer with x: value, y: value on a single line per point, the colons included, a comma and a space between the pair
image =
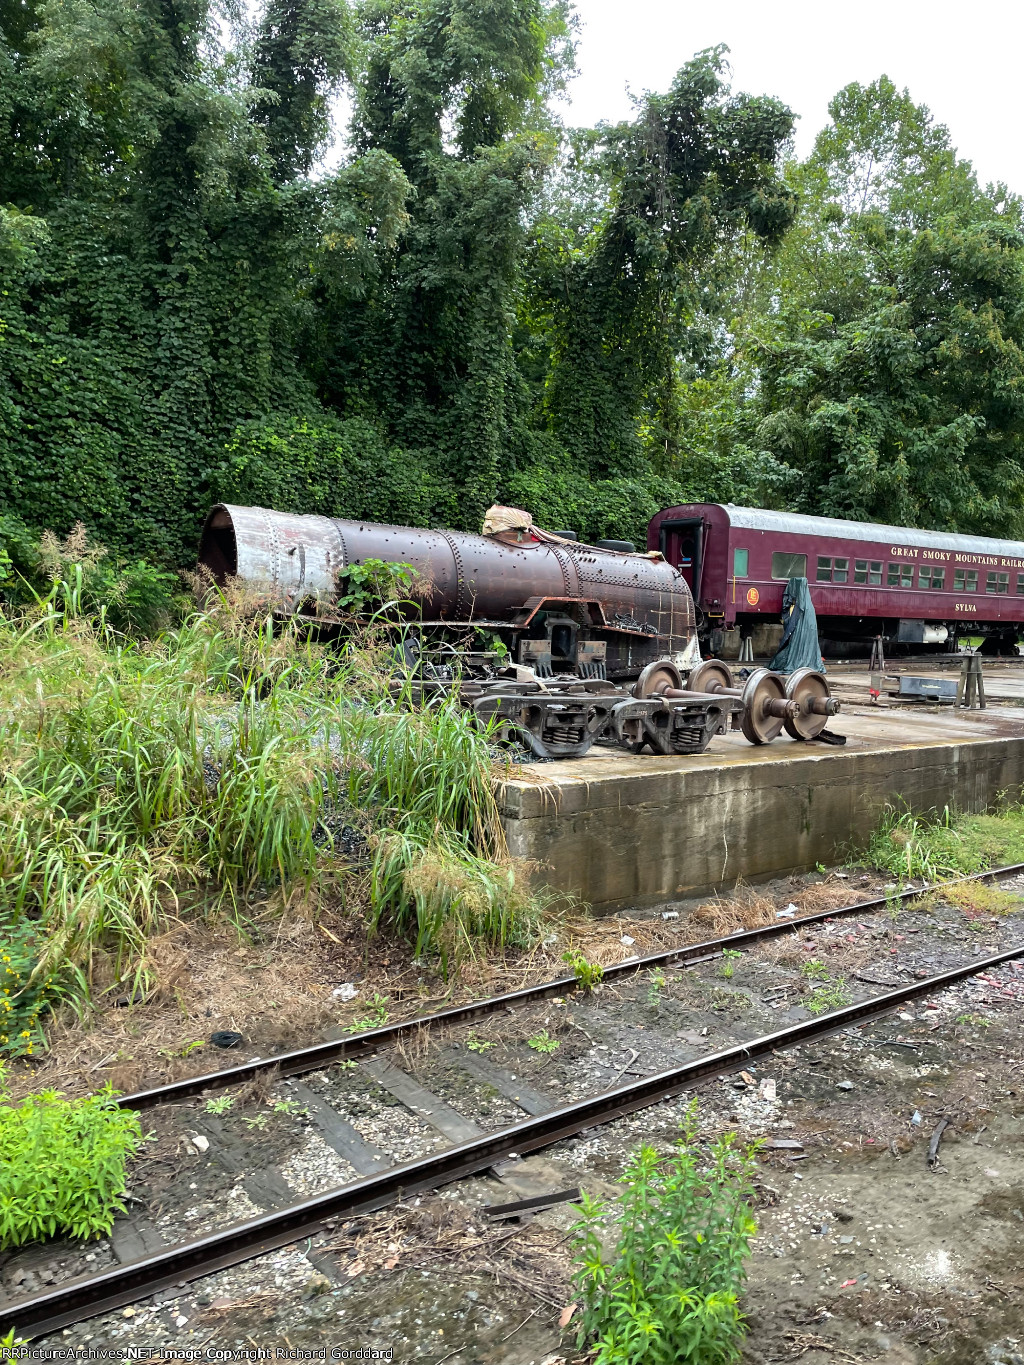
x: 471, y: 577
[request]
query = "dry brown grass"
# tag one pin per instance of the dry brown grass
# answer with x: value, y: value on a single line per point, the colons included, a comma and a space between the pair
x: 439, y: 1232
x: 746, y: 908
x: 276, y: 993
x: 830, y: 894
x: 600, y: 940
x: 205, y: 980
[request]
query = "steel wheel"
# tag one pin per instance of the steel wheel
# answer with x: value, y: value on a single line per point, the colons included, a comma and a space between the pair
x: 761, y: 689
x: 656, y: 678
x: 710, y: 671
x: 805, y: 686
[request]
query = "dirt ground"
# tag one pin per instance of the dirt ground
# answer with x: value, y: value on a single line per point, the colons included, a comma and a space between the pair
x: 864, y: 1252
x: 290, y: 981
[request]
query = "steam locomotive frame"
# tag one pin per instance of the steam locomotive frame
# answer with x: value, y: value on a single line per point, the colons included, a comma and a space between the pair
x: 577, y: 622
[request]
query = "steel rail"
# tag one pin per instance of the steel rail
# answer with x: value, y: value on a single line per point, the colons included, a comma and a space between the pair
x: 300, y: 1060
x: 91, y: 1295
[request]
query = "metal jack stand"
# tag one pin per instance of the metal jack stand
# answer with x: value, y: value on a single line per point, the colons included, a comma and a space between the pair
x: 970, y: 690
x: 747, y: 650
x: 876, y: 668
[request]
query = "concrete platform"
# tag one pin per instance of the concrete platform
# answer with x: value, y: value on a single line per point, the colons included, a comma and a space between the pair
x: 622, y: 830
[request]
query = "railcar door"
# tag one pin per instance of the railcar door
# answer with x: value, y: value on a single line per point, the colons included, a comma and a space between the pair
x: 682, y: 544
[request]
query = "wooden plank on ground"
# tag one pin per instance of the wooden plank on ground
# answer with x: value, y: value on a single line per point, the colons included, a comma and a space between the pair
x: 510, y: 1085
x: 337, y: 1132
x: 421, y: 1101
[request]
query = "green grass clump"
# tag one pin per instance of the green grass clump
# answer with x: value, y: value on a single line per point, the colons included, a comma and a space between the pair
x: 832, y: 995
x: 669, y: 1291
x: 914, y: 847
x: 829, y: 993
x: 63, y: 1164
x: 209, y: 770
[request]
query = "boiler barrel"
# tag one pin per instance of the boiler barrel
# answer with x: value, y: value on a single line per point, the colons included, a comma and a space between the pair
x: 472, y: 577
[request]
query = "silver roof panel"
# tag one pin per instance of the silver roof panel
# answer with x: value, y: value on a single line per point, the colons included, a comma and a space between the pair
x: 793, y: 523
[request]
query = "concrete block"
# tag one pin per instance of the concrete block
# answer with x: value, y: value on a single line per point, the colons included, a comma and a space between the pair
x: 622, y: 830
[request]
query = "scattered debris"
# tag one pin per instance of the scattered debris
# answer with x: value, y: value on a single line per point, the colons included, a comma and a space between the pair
x: 533, y: 1205
x: 933, y: 1146
x: 225, y: 1038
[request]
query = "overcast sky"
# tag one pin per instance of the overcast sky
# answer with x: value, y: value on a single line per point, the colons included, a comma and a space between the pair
x: 964, y: 61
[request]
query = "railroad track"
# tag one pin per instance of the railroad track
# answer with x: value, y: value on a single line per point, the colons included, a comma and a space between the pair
x: 422, y: 1097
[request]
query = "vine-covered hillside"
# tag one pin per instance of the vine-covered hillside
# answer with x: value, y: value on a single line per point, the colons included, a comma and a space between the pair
x: 476, y: 303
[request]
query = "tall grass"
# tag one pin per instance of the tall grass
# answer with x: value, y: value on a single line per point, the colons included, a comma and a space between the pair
x: 212, y: 767
x: 947, y: 843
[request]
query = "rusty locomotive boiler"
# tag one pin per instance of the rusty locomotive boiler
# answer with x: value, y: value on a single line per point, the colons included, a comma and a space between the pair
x: 577, y: 621
x: 560, y: 607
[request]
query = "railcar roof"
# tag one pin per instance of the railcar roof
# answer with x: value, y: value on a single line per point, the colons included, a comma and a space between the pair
x: 793, y: 523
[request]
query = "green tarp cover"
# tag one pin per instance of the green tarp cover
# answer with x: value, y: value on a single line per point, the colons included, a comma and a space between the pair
x: 799, y: 647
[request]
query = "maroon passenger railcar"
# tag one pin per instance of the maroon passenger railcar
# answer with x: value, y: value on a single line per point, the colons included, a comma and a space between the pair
x: 918, y: 588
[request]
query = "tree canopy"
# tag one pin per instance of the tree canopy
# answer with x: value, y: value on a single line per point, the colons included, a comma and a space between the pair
x: 475, y: 302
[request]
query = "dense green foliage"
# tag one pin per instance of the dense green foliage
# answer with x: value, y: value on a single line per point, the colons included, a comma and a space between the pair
x: 893, y: 372
x: 668, y: 1293
x: 63, y: 1165
x: 475, y: 303
x: 25, y: 994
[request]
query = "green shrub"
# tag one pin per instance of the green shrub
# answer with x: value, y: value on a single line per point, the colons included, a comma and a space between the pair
x: 946, y: 844
x: 132, y: 596
x: 669, y: 1292
x: 63, y: 1164
x: 25, y: 995
x: 19, y: 559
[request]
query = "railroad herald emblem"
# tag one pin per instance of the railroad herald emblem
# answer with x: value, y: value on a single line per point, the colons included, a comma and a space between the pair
x: 753, y: 596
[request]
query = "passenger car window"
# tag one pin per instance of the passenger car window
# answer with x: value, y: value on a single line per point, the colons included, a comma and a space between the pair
x: 931, y: 578
x: 785, y: 565
x: 997, y: 583
x: 901, y: 576
x: 1020, y: 583
x: 867, y: 571
x: 832, y: 570
x: 966, y: 580
x: 740, y: 559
